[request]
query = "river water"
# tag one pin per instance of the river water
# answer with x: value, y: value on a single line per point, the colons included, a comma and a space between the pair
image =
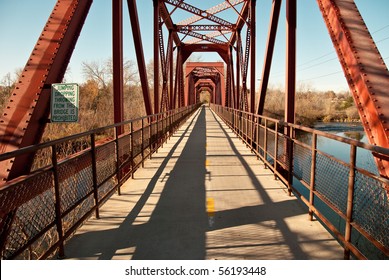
x: 341, y: 150
x: 337, y: 180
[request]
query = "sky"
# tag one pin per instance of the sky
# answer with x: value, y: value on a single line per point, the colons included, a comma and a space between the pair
x: 21, y: 22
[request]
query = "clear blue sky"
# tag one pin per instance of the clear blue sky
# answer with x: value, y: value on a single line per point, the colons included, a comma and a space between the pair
x: 21, y: 22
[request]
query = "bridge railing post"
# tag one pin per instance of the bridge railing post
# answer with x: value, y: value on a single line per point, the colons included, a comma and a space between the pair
x: 350, y: 199
x: 313, y: 176
x: 275, y: 150
x: 265, y: 145
x: 94, y: 174
x: 118, y: 172
x: 58, y: 214
x: 289, y: 154
x: 132, y: 149
x: 150, y: 122
x: 142, y: 146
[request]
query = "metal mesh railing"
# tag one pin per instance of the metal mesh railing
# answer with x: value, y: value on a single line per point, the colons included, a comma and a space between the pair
x: 302, y: 160
x: 352, y: 202
x: 371, y: 207
x: 40, y: 211
x: 331, y: 181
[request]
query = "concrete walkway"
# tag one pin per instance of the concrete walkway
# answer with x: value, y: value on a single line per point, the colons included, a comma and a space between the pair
x: 204, y: 195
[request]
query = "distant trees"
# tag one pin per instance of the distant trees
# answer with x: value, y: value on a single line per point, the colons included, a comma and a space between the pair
x: 313, y: 106
x: 96, y: 99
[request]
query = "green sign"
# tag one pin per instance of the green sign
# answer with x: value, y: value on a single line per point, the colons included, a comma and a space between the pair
x: 64, y: 102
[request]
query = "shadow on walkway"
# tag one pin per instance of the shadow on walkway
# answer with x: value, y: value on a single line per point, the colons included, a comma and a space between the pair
x: 178, y: 226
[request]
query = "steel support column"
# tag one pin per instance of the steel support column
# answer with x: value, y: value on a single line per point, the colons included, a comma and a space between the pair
x: 133, y: 11
x: 171, y: 81
x: 117, y: 61
x: 156, y: 56
x: 232, y: 78
x: 290, y: 83
x: 252, y: 58
x: 238, y: 73
x: 176, y: 103
x: 275, y: 14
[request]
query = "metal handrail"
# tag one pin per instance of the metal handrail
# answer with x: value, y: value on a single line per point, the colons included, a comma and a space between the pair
x: 66, y: 192
x: 247, y: 126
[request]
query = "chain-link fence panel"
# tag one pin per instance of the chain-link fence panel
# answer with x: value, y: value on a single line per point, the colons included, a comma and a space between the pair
x: 105, y: 161
x: 76, y: 180
x: 371, y: 207
x: 331, y: 181
x: 32, y: 207
x: 302, y: 161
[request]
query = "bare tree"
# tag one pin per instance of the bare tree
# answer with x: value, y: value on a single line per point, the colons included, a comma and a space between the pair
x: 97, y: 71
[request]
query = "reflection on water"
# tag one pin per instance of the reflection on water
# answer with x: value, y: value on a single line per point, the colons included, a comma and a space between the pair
x: 356, y: 135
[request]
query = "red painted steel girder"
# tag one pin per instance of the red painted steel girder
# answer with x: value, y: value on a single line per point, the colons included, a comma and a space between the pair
x: 221, y: 49
x: 203, y: 27
x: 194, y: 10
x: 117, y: 62
x: 275, y: 14
x: 202, y: 37
x: 214, y: 10
x: 24, y: 118
x: 209, y: 35
x: 133, y: 12
x: 364, y: 68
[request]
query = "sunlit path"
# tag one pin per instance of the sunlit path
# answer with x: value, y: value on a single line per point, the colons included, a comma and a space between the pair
x: 204, y: 195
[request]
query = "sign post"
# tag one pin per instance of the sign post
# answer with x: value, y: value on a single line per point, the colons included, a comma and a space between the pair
x: 64, y: 102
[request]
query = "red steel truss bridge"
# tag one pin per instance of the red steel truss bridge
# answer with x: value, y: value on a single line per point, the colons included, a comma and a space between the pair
x: 45, y: 209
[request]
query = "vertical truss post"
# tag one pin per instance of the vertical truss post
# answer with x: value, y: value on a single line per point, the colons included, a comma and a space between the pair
x: 276, y: 7
x: 165, y: 63
x: 238, y: 66
x: 181, y: 83
x: 117, y: 61
x: 133, y: 11
x: 291, y: 13
x: 174, y: 103
x: 253, y: 51
x: 171, y: 82
x: 291, y: 10
x: 156, y: 56
x: 231, y: 77
x: 228, y: 86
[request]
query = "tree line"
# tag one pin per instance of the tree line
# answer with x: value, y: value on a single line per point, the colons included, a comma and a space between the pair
x: 96, y: 100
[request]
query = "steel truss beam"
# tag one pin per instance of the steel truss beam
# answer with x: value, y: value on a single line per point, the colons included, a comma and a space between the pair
x: 275, y: 14
x: 202, y: 37
x: 203, y: 27
x: 117, y: 61
x: 133, y: 12
x: 364, y: 68
x: 214, y: 10
x: 203, y: 14
x: 25, y: 116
